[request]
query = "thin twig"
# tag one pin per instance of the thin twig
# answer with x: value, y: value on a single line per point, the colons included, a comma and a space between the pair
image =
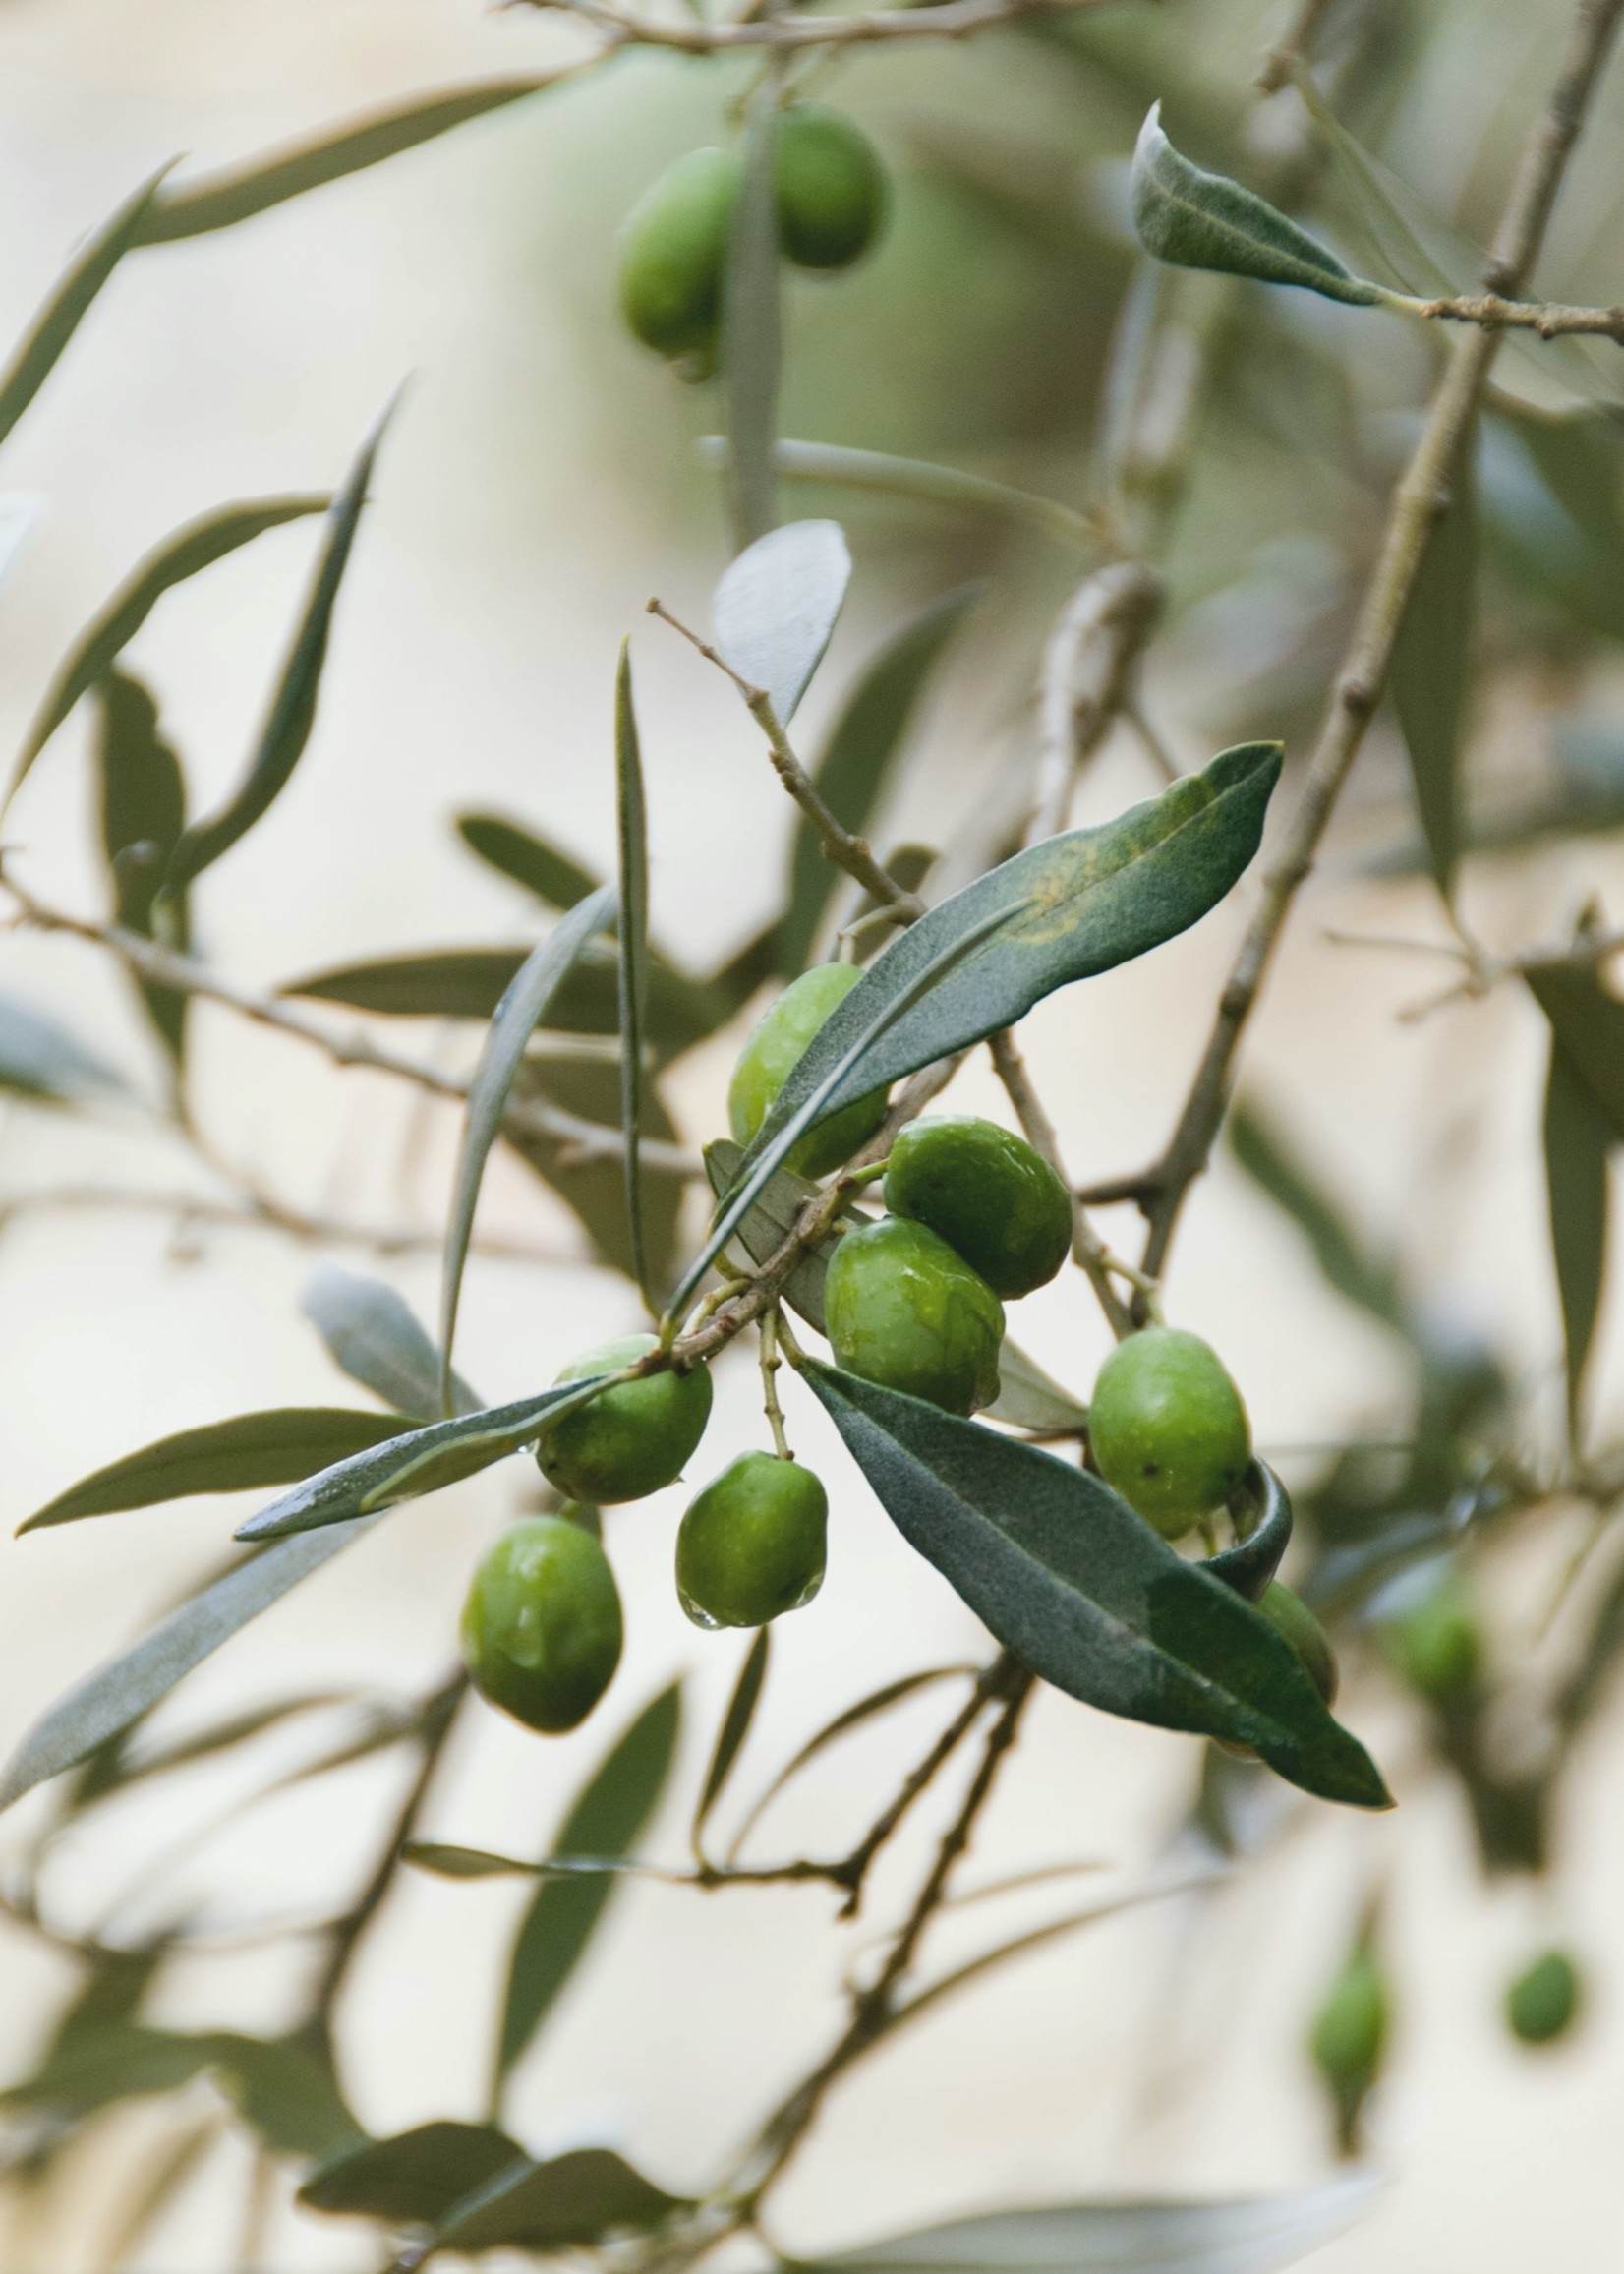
x: 1550, y: 318
x: 1088, y: 1249
x: 257, y: 1212
x: 946, y: 20
x: 1088, y: 672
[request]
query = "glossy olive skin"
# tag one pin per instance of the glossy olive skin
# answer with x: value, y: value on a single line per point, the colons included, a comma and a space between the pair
x: 1435, y: 1645
x: 987, y: 1194
x: 1544, y: 2002
x: 829, y: 187
x: 1167, y: 1427
x: 1291, y: 1616
x: 753, y: 1544
x: 774, y: 1048
x: 904, y: 1310
x: 541, y: 1628
x: 632, y: 1439
x: 673, y: 247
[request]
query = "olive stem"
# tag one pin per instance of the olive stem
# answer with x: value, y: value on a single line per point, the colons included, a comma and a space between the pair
x: 768, y: 1335
x: 1088, y: 1249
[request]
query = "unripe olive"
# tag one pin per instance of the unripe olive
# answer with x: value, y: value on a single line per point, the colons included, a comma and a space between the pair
x: 1349, y: 2036
x: 673, y: 250
x: 775, y: 1047
x: 1167, y: 1427
x: 1543, y: 2003
x: 1435, y: 1645
x: 828, y: 187
x: 753, y: 1544
x: 903, y: 1308
x: 1291, y: 1616
x: 630, y: 1439
x: 540, y: 1629
x: 987, y: 1194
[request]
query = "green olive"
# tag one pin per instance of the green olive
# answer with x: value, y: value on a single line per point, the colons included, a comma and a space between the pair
x: 1349, y: 2037
x: 775, y: 1047
x: 632, y: 1440
x: 903, y: 1308
x: 540, y: 1629
x: 1167, y: 1427
x: 828, y: 186
x: 673, y: 248
x: 1435, y: 1645
x: 1296, y: 1622
x: 1544, y: 2002
x: 987, y: 1194
x: 753, y: 1544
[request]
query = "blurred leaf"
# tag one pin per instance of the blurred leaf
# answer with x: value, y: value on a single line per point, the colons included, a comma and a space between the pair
x: 1588, y: 1026
x: 143, y: 814
x: 416, y: 2177
x: 1254, y: 2236
x: 528, y: 859
x: 752, y: 342
x: 193, y: 548
x: 40, y: 1059
x: 734, y: 1729
x: 607, y: 1820
x: 1081, y: 1589
x: 122, y: 2062
x: 1270, y: 1159
x: 59, y: 317
x: 1199, y: 220
x: 1577, y: 1138
x: 163, y: 2174
x: 632, y: 839
x: 285, y: 2088
x: 594, y: 1189
x: 372, y: 1335
x: 121, y: 1691
x: 292, y: 715
x: 519, y: 1013
x: 852, y: 771
x: 1553, y: 507
x: 777, y: 605
x: 1590, y: 1678
x: 274, y: 1447
x: 1431, y: 667
x: 219, y: 201
x: 219, y: 1736
x: 1028, y: 1399
x: 890, y: 476
x: 551, y: 2206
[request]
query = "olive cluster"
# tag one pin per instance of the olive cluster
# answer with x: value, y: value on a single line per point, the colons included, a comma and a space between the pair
x: 829, y: 197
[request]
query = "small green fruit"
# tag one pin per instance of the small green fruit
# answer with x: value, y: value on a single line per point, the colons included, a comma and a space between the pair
x: 903, y: 1308
x: 1348, y: 2039
x: 673, y: 248
x: 828, y: 186
x: 541, y: 1629
x: 987, y: 1194
x: 1167, y: 1427
x: 1543, y: 2003
x: 1296, y: 1622
x: 1435, y: 1645
x: 753, y: 1544
x: 775, y: 1047
x: 632, y: 1440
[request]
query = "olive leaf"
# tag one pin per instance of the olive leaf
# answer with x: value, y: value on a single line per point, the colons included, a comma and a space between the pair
x: 286, y: 2090
x: 734, y: 1729
x: 883, y: 473
x: 1588, y: 1025
x: 414, y: 2178
x: 274, y: 1447
x: 1067, y: 1576
x: 1432, y: 663
x: 633, y: 969
x: 1269, y: 1158
x: 569, y: 2201
x: 372, y: 1336
x: 518, y: 854
x: 1077, y: 904
x: 520, y: 1011
x: 776, y: 609
x: 604, y: 1822
x: 143, y: 815
x: 40, y: 1059
x: 292, y: 714
x: 1199, y: 220
x: 193, y: 548
x: 752, y: 327
x: 592, y: 1185
x: 1578, y: 1138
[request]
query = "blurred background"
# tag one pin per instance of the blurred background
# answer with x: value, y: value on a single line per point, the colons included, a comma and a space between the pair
x: 539, y: 484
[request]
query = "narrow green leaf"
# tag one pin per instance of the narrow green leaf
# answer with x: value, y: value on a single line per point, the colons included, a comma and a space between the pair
x: 516, y: 851
x: 1077, y: 904
x: 775, y: 606
x: 881, y: 472
x: 143, y: 814
x: 1271, y: 1160
x: 1199, y: 220
x: 193, y: 548
x: 1578, y: 1138
x: 857, y: 757
x: 519, y: 1013
x: 565, y: 2204
x: 292, y: 714
x: 40, y: 1059
x: 122, y: 2062
x: 273, y: 1447
x: 632, y: 837
x: 1029, y: 1398
x: 219, y: 201
x: 36, y: 353
x: 734, y: 1729
x: 414, y: 2178
x: 1588, y: 1025
x: 607, y: 1820
x: 286, y: 2090
x: 219, y: 1737
x: 124, y: 1689
x: 752, y: 344
x: 374, y: 1337
x: 1432, y: 665
x: 1086, y: 1594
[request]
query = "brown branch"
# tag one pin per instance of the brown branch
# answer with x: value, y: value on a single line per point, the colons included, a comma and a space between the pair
x: 1550, y: 318
x: 1086, y: 679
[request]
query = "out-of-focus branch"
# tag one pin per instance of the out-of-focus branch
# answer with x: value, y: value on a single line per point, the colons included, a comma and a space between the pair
x: 1088, y: 675
x: 944, y: 20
